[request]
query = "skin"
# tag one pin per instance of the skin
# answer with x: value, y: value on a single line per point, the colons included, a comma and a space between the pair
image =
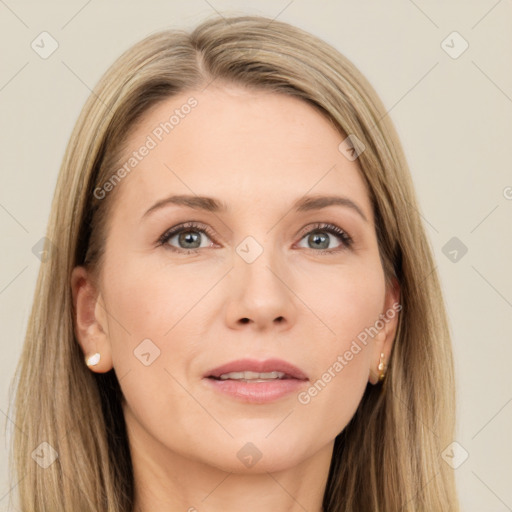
x: 258, y: 152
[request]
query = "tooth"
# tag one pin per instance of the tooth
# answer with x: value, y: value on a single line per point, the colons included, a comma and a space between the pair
x: 251, y: 375
x: 232, y: 375
x: 270, y: 375
x: 248, y: 375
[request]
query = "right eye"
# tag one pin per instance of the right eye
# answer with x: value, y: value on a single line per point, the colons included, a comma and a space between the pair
x: 188, y: 237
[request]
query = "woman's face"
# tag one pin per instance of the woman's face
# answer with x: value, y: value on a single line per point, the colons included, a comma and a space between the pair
x: 259, y: 275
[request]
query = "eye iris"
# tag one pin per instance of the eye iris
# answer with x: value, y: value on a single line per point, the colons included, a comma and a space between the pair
x: 190, y: 237
x: 319, y: 240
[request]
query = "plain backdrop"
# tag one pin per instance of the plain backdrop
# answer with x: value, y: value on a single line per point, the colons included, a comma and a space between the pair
x: 454, y: 117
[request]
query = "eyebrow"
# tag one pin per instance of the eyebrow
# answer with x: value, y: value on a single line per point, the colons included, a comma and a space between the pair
x: 309, y: 203
x: 210, y: 204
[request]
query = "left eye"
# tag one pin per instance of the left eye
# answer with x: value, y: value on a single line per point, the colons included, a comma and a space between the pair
x: 320, y: 237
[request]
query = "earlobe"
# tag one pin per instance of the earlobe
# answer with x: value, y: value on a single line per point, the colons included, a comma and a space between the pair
x: 383, y: 341
x: 392, y: 310
x: 89, y: 321
x: 93, y: 360
x: 380, y: 352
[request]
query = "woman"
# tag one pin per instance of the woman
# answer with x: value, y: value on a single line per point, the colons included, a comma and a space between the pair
x: 240, y: 308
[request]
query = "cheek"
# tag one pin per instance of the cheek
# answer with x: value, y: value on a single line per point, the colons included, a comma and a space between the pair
x: 347, y: 298
x: 349, y: 301
x: 152, y: 330
x: 157, y: 316
x: 148, y: 300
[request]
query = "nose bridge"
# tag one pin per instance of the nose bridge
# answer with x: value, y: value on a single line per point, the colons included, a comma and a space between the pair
x: 259, y: 274
x: 257, y: 265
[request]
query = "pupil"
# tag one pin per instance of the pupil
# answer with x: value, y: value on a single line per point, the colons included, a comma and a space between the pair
x: 320, y: 240
x: 190, y: 238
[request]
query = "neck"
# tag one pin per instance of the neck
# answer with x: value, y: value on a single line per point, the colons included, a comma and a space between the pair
x: 166, y: 481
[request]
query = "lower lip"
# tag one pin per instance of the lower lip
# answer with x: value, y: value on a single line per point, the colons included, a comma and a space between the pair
x: 257, y: 392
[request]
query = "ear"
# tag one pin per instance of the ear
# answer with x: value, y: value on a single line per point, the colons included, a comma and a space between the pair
x: 90, y: 319
x: 383, y: 341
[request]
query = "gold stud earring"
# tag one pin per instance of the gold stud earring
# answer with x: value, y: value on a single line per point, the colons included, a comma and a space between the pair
x: 381, y: 367
x: 93, y: 360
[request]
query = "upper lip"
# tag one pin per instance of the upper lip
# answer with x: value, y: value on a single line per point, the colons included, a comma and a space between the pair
x: 253, y: 365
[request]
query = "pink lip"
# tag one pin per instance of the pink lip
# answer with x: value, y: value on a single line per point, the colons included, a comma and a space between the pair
x: 257, y: 392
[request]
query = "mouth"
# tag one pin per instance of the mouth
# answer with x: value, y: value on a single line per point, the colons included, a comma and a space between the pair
x: 253, y: 370
x: 253, y: 381
x: 248, y: 376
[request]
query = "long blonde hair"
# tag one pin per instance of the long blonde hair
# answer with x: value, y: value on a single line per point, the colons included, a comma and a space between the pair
x: 388, y: 458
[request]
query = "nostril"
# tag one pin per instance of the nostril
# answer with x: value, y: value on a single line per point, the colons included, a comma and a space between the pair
x: 244, y: 320
x: 279, y: 319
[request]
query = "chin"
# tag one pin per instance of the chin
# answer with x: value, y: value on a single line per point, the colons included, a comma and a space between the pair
x: 253, y: 456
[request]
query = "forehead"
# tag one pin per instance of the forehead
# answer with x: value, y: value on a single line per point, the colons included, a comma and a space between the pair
x: 248, y: 148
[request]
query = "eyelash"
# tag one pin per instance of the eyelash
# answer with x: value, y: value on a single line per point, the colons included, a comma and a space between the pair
x: 346, y: 240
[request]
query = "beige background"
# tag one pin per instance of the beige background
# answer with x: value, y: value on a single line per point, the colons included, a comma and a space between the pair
x: 454, y: 117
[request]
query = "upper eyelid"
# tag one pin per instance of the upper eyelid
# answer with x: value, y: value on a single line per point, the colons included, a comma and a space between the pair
x: 318, y: 226
x: 189, y: 225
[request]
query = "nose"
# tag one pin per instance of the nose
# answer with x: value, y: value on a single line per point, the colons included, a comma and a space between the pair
x: 260, y: 294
